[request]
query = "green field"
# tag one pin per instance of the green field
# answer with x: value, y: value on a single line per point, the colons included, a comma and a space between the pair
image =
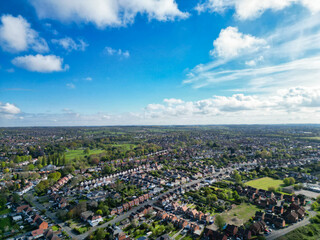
x: 125, y: 146
x: 72, y: 154
x: 311, y: 138
x: 240, y: 214
x: 265, y: 183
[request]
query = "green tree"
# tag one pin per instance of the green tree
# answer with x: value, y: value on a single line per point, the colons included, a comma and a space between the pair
x: 219, y: 222
x: 237, y: 177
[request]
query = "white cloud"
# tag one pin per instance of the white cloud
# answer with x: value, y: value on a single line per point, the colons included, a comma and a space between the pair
x: 250, y: 9
x: 16, y: 35
x: 231, y: 43
x: 88, y: 79
x: 290, y: 105
x: 254, y: 62
x: 69, y: 44
x: 70, y: 85
x: 119, y: 52
x: 173, y: 101
x: 291, y: 57
x: 299, y: 103
x: 8, y: 110
x: 40, y: 63
x: 107, y: 12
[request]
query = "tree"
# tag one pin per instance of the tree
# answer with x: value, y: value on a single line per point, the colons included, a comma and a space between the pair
x: 99, y: 212
x: 16, y: 198
x: 219, y: 222
x: 3, y: 201
x: 30, y: 167
x: 86, y: 151
x: 236, y: 195
x: 54, y: 176
x: 315, y: 206
x: 289, y: 181
x: 237, y: 177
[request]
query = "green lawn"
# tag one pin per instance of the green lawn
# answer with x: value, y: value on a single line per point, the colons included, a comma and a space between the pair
x: 265, y: 183
x: 240, y: 214
x: 72, y: 154
x: 125, y: 146
x: 311, y: 138
x: 55, y: 228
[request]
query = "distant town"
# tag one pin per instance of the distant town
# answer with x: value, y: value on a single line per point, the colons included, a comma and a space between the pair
x: 233, y: 182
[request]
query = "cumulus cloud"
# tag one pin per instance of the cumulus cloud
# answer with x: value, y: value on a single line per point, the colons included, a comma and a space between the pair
x: 296, y: 100
x: 40, y: 63
x: 16, y: 35
x: 231, y: 43
x: 8, y: 110
x: 290, y: 105
x: 69, y: 44
x: 288, y: 55
x: 107, y: 12
x: 119, y: 52
x: 250, y: 9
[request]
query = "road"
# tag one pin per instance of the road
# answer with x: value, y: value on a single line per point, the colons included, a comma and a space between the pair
x: 52, y: 216
x: 278, y: 233
x: 121, y: 217
x: 127, y: 214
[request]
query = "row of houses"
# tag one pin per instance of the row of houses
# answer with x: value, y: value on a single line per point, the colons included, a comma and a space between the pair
x: 279, y: 217
x: 61, y: 182
x: 26, y: 189
x: 193, y: 227
x: 135, y: 202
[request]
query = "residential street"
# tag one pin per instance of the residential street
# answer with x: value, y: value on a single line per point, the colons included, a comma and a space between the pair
x: 111, y: 222
x: 278, y: 233
x: 274, y: 235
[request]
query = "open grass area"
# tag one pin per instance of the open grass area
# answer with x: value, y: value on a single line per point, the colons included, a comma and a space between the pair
x: 311, y: 138
x: 72, y: 154
x: 265, y: 183
x: 240, y: 214
x: 125, y: 146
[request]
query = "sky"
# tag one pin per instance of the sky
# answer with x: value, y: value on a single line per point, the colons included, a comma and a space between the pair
x: 159, y: 62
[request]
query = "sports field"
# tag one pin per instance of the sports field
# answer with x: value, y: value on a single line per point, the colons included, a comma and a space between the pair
x: 265, y: 183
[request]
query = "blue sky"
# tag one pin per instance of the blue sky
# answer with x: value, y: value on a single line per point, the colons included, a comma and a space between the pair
x: 121, y: 62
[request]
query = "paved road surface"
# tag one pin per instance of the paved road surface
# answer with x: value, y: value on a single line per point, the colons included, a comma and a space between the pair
x: 121, y: 217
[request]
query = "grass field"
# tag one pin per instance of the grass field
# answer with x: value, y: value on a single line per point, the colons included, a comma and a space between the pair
x: 311, y: 138
x: 125, y: 146
x: 240, y: 214
x: 72, y: 154
x: 265, y: 183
